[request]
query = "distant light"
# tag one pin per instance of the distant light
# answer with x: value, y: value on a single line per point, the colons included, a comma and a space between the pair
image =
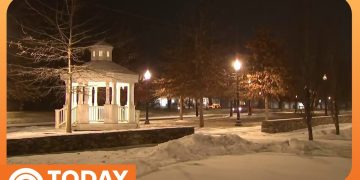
x: 319, y: 100
x: 163, y: 102
x: 329, y: 98
x: 249, y: 81
x: 296, y: 96
x: 301, y: 106
x: 260, y: 93
x: 147, y: 75
x: 324, y: 77
x: 237, y: 65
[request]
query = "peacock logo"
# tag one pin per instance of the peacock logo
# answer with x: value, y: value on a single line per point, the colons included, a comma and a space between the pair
x: 25, y: 174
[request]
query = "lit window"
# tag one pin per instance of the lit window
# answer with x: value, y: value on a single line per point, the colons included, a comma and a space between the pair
x: 93, y: 53
x: 107, y: 53
x: 100, y: 53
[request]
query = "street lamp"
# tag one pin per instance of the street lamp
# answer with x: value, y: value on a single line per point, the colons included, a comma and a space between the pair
x: 325, y: 91
x: 324, y: 77
x: 237, y: 67
x: 147, y: 77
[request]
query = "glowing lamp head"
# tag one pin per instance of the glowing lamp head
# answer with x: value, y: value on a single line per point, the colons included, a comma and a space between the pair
x: 147, y: 75
x: 237, y: 65
x: 324, y: 77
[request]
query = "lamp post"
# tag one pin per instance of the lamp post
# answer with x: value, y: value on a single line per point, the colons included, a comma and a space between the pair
x: 325, y: 94
x: 296, y: 103
x: 147, y: 77
x: 237, y: 67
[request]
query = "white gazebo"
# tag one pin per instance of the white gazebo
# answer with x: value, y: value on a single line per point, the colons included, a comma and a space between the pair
x: 117, y: 110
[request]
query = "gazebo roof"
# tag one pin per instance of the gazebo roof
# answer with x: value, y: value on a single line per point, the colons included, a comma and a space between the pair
x: 107, y: 67
x: 103, y: 71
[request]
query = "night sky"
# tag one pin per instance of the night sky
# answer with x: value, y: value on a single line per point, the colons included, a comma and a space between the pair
x: 148, y: 27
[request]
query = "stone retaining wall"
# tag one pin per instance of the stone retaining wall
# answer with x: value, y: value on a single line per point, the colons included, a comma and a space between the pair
x: 286, y: 125
x: 76, y: 142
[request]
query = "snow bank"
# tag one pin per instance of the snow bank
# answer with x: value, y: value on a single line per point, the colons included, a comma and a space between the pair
x: 201, y: 146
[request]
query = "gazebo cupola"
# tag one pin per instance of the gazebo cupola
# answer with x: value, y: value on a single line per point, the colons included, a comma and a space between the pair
x: 101, y: 51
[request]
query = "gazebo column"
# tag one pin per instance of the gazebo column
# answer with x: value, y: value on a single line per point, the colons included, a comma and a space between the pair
x: 113, y: 92
x: 86, y: 94
x: 95, y: 96
x: 90, y: 96
x: 81, y: 95
x: 110, y: 109
x: 107, y: 100
x: 130, y: 103
x: 83, y: 108
x: 118, y: 87
x: 74, y: 96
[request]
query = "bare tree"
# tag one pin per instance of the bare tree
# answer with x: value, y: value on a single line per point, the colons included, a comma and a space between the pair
x: 195, y: 68
x: 53, y: 45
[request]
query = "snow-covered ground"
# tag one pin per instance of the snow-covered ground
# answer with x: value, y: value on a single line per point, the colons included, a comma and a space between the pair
x: 257, y: 166
x: 243, y: 151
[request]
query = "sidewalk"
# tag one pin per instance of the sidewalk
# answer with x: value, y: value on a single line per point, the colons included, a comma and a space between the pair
x: 185, y: 116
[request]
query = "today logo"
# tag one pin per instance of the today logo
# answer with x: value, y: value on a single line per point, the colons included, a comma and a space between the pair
x: 25, y: 174
x: 31, y: 174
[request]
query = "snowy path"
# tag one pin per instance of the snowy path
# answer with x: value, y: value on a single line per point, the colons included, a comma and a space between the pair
x: 257, y: 166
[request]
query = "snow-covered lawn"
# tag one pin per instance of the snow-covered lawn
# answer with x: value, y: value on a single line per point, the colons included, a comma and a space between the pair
x: 242, y: 149
x: 257, y: 166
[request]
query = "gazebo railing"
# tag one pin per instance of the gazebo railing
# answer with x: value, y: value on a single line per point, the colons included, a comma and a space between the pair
x: 123, y: 112
x: 60, y: 116
x: 96, y: 113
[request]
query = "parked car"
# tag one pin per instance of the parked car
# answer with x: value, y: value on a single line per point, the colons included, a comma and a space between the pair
x: 214, y: 106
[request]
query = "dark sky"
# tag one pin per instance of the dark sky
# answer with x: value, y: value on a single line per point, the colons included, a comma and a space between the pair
x: 152, y: 24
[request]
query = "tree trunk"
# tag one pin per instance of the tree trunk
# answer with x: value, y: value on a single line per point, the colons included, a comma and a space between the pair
x: 210, y: 101
x: 69, y: 90
x: 189, y: 103
x: 68, y: 105
x: 249, y: 108
x: 169, y: 103
x: 231, y: 108
x: 309, y: 124
x: 280, y: 104
x: 308, y: 115
x: 181, y: 107
x: 266, y: 108
x: 201, y: 118
x: 196, y: 107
